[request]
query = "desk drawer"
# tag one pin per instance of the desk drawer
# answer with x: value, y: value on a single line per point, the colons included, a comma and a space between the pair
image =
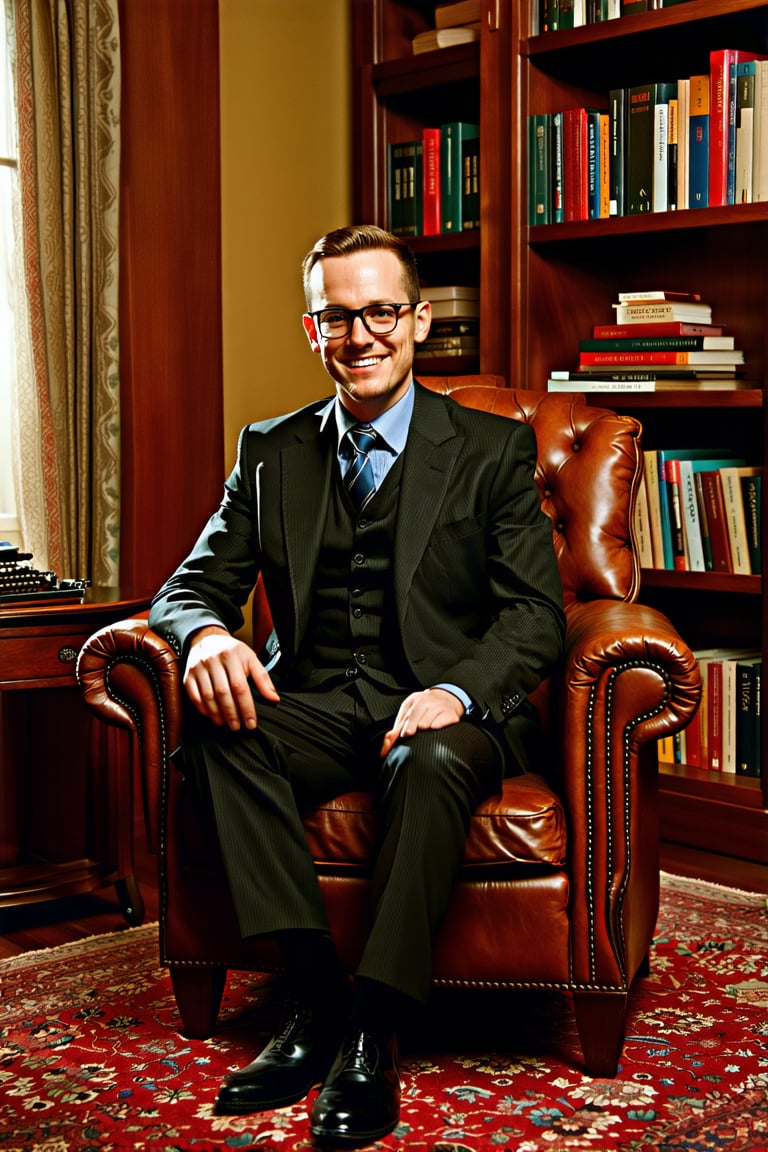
x: 36, y: 656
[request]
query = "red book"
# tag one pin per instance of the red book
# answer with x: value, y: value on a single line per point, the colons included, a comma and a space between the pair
x: 431, y: 170
x: 662, y: 328
x: 721, y: 114
x: 674, y: 490
x: 575, y: 164
x: 715, y: 714
x: 717, y: 521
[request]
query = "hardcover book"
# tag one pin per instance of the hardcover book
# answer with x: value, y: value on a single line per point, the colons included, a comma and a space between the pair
x: 722, y: 119
x: 452, y: 134
x: 639, y: 161
x: 698, y: 142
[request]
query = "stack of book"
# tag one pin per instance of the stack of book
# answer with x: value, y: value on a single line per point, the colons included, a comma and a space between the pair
x: 433, y: 184
x: 699, y: 510
x: 454, y: 332
x: 457, y: 22
x: 724, y: 735
x: 660, y: 339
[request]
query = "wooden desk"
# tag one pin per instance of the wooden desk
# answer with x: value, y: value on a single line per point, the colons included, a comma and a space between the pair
x: 66, y: 779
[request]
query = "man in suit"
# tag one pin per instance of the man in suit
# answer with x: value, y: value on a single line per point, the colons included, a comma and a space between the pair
x: 416, y: 603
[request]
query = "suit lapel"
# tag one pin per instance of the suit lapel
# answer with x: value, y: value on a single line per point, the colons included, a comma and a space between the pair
x: 306, y: 477
x: 428, y: 463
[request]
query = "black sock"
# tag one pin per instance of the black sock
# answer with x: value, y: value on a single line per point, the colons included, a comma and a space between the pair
x: 314, y: 970
x: 377, y: 1008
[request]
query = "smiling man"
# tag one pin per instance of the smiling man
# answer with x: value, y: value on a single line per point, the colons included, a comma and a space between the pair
x: 416, y: 602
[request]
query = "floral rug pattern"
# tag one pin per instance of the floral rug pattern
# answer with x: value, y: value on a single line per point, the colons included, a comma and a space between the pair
x: 90, y: 1058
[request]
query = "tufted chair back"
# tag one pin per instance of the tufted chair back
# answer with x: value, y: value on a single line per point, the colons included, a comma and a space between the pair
x: 588, y: 470
x: 560, y: 881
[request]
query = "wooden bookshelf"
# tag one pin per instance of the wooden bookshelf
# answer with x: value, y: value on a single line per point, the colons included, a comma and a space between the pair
x: 543, y: 287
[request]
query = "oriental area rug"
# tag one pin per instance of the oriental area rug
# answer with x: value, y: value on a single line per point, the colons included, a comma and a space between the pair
x: 90, y: 1058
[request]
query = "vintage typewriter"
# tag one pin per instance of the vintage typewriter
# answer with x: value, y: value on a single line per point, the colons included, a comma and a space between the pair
x: 21, y: 584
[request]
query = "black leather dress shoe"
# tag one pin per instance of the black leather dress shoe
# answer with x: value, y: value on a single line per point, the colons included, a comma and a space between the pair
x: 296, y: 1059
x: 359, y: 1101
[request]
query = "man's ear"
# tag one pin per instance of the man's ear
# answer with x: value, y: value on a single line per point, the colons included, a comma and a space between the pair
x: 311, y: 331
x: 423, y: 321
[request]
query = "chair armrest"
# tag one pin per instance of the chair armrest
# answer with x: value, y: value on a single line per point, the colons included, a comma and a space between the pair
x: 629, y: 679
x: 131, y: 677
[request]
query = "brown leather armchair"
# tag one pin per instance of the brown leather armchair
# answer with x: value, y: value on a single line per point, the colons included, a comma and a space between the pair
x: 560, y: 886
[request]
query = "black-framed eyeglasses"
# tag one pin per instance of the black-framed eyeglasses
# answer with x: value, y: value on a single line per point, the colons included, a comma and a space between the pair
x: 378, y: 319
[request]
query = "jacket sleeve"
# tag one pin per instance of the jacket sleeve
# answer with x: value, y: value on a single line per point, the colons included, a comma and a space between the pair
x: 215, y: 580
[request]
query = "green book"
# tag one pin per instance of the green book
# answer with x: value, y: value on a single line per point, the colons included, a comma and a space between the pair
x: 539, y: 169
x: 452, y: 136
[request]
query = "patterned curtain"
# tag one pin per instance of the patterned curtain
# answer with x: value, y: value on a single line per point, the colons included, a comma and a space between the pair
x: 67, y: 429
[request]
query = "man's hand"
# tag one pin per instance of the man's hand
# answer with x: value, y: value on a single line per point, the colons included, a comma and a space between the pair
x: 432, y: 708
x: 217, y: 678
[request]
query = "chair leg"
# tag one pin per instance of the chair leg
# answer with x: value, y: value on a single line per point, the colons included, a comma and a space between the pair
x: 198, y: 993
x: 600, y: 1019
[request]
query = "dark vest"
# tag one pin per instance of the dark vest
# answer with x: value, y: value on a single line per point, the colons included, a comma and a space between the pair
x: 352, y: 635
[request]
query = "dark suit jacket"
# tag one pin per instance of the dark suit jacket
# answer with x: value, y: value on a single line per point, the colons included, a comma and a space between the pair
x: 476, y: 584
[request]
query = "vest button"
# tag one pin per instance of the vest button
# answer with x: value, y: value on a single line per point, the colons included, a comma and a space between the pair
x: 357, y: 591
x: 357, y: 613
x: 361, y: 658
x: 350, y: 673
x: 359, y: 558
x: 363, y: 522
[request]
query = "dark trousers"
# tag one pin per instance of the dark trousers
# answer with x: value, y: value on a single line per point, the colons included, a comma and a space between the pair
x: 309, y: 748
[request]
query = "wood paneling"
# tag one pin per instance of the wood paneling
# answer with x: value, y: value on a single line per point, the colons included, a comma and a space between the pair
x: 170, y: 285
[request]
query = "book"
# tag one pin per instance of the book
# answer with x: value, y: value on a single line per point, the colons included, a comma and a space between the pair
x: 435, y: 292
x: 639, y: 148
x: 406, y: 193
x: 395, y: 169
x: 663, y: 310
x: 601, y: 380
x: 435, y: 38
x: 748, y: 712
x: 745, y: 117
x: 712, y: 358
x: 663, y: 93
x: 696, y: 513
x: 722, y: 119
x: 452, y: 134
x: 430, y: 138
x: 641, y: 523
x: 694, y: 546
x: 575, y: 164
x: 752, y: 497
x: 457, y: 12
x: 730, y: 478
x: 680, y: 560
x: 663, y: 328
x: 462, y: 309
x: 651, y: 473
x: 717, y: 525
x: 558, y: 209
x: 470, y: 197
x: 657, y: 343
x: 644, y: 296
x: 616, y: 144
x: 683, y: 134
x: 539, y: 169
x: 673, y: 146
x: 698, y: 142
x: 730, y: 696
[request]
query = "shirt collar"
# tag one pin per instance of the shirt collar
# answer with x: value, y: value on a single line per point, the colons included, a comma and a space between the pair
x: 392, y: 425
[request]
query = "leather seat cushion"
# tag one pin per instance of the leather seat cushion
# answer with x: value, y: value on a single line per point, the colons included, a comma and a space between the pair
x: 523, y: 824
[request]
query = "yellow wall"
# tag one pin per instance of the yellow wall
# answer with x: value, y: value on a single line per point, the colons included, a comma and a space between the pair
x: 286, y: 164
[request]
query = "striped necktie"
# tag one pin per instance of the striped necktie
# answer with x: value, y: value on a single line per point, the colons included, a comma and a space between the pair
x: 358, y: 479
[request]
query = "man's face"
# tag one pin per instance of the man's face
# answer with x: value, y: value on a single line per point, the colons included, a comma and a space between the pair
x: 371, y: 372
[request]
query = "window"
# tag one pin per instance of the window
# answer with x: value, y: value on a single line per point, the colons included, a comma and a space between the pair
x: 8, y: 192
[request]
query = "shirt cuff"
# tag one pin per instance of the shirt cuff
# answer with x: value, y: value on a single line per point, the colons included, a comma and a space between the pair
x: 461, y: 695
